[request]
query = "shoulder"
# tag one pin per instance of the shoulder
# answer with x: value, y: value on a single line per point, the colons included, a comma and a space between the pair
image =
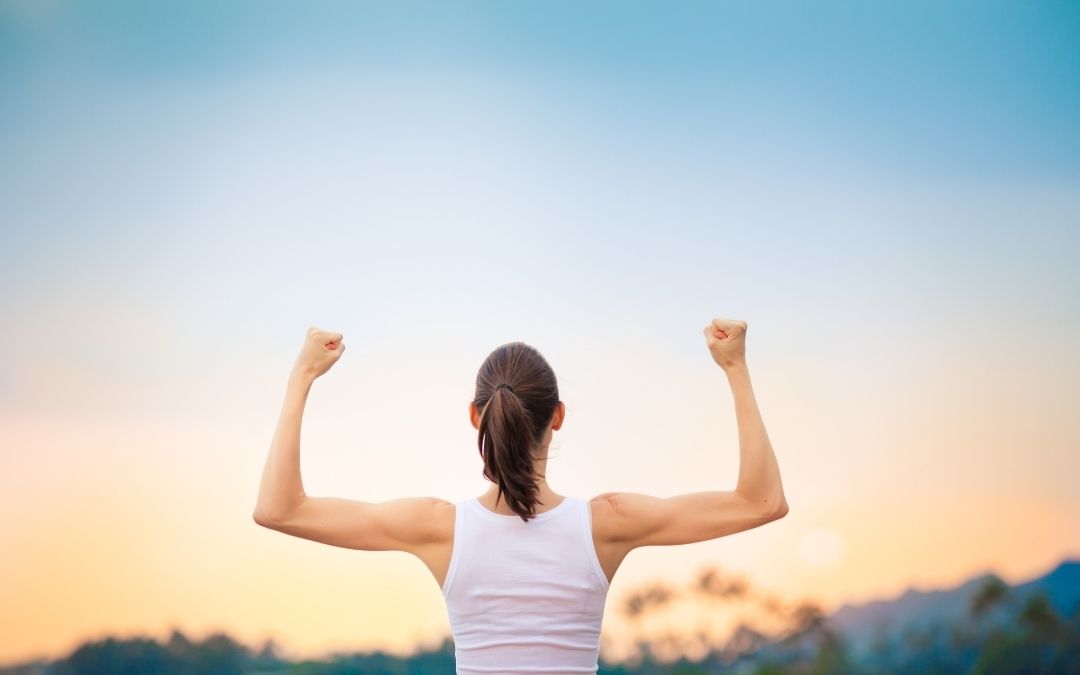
x: 630, y: 517
x: 418, y: 520
x: 442, y: 514
x: 617, y: 504
x: 610, y: 511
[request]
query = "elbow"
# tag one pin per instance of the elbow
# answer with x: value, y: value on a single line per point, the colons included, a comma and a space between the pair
x: 261, y: 518
x: 773, y: 508
x: 266, y: 519
x: 768, y: 508
x: 780, y: 510
x: 275, y: 515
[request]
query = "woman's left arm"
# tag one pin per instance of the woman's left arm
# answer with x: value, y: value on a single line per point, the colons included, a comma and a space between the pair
x: 399, y: 524
x: 282, y: 489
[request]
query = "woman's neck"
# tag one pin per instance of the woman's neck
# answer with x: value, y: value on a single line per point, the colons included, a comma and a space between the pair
x: 547, y: 499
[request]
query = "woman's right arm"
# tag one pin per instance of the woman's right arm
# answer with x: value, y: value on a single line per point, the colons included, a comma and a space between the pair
x: 627, y: 520
x: 759, y: 474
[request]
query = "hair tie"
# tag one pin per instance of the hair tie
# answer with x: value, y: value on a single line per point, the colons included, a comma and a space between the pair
x: 503, y: 385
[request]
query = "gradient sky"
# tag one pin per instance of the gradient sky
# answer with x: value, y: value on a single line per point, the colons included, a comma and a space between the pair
x: 889, y: 195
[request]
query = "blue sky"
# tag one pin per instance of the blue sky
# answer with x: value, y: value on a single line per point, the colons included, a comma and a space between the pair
x: 962, y: 84
x: 761, y: 158
x: 546, y: 170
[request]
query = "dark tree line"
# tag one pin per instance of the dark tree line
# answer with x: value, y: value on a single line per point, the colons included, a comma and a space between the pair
x: 1000, y: 632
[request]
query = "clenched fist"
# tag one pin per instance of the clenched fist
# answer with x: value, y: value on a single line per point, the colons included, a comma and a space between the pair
x: 322, y: 349
x: 726, y: 339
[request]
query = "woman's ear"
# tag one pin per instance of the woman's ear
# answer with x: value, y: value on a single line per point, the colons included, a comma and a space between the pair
x: 557, y: 419
x: 474, y: 416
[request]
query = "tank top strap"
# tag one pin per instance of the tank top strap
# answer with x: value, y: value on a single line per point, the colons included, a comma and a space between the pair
x: 584, y: 509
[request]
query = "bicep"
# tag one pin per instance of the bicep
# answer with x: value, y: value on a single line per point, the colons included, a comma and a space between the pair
x: 635, y: 519
x: 395, y: 525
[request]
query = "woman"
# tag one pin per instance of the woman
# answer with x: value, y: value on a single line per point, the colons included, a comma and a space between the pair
x: 524, y: 570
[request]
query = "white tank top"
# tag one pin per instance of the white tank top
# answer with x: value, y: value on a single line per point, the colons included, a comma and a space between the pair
x: 525, y: 597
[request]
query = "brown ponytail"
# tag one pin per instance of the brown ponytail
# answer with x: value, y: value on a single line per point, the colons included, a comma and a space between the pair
x: 516, y: 396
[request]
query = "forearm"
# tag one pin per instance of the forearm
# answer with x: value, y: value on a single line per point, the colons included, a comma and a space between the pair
x: 281, y: 488
x: 759, y: 473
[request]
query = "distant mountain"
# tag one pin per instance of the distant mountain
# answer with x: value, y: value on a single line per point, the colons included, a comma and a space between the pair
x: 1061, y: 585
x: 864, y: 624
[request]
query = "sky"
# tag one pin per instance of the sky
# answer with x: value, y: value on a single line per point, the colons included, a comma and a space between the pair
x: 886, y: 192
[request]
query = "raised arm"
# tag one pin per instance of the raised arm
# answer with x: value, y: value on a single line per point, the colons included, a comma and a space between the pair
x: 626, y: 520
x: 400, y: 524
x: 759, y: 473
x: 282, y: 490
